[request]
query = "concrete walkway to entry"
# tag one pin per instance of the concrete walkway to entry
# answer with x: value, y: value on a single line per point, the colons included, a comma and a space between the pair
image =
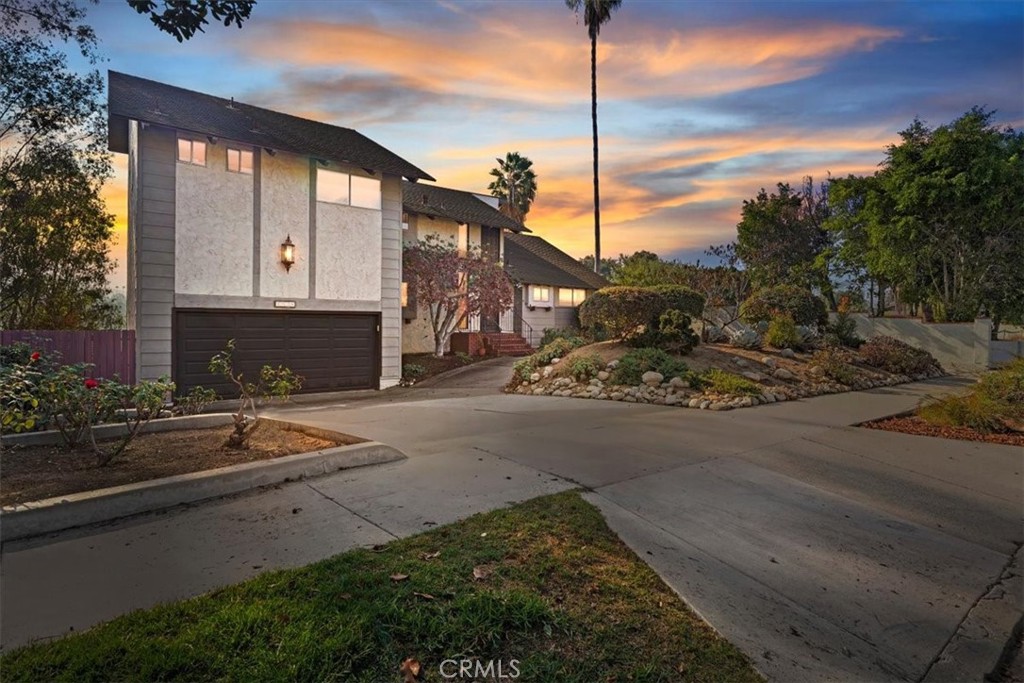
x: 823, y: 551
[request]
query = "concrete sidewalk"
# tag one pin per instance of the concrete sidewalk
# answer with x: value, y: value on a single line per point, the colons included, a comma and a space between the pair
x: 823, y: 551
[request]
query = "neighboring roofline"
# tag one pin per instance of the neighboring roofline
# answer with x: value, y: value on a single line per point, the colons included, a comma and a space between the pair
x: 507, y: 223
x: 549, y: 256
x: 118, y: 117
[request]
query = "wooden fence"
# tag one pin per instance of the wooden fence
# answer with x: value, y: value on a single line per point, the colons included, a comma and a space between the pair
x: 111, y: 352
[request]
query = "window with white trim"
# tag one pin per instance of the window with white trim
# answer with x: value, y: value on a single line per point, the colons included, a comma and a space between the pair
x: 192, y: 151
x: 405, y: 294
x: 571, y: 297
x: 239, y: 161
x: 540, y: 295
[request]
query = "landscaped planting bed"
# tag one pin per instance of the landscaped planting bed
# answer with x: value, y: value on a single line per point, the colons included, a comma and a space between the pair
x: 417, y: 367
x: 545, y: 583
x: 912, y: 424
x: 711, y: 376
x: 31, y: 473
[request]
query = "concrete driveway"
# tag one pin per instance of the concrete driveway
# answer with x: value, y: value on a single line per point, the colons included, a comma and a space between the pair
x: 823, y: 551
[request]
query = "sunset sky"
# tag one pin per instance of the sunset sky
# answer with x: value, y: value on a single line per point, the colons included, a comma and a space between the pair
x: 700, y: 103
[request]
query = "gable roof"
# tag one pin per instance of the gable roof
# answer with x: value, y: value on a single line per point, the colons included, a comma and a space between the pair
x: 533, y: 260
x: 458, y: 205
x: 141, y: 99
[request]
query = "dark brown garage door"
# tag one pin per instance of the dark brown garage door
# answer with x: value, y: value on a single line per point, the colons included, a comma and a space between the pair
x: 332, y: 351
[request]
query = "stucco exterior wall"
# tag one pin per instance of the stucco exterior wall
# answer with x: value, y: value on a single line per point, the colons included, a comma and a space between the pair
x: 349, y: 248
x: 213, y: 228
x: 284, y: 211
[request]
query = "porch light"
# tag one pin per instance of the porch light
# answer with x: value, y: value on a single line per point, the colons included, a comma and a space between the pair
x: 287, y: 252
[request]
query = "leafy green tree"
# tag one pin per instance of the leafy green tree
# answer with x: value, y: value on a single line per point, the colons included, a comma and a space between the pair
x: 943, y: 220
x: 607, y: 268
x: 595, y: 13
x: 183, y: 18
x: 55, y: 232
x: 515, y: 184
x: 782, y: 239
x: 647, y: 269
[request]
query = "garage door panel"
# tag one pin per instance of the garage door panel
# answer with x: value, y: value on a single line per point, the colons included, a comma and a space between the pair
x: 332, y: 351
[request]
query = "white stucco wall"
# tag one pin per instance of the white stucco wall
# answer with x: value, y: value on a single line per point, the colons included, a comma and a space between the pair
x: 348, y: 246
x: 213, y: 228
x: 284, y: 211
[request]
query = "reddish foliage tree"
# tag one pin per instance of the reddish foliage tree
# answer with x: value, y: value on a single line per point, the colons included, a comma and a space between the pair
x: 454, y: 286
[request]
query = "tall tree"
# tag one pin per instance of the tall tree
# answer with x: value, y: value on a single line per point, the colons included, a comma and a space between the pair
x: 515, y: 184
x: 782, y: 239
x: 943, y: 220
x: 595, y: 13
x: 54, y: 234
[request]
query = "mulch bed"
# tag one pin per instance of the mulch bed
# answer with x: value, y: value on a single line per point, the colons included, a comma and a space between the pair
x: 435, y: 366
x: 30, y: 473
x: 915, y: 425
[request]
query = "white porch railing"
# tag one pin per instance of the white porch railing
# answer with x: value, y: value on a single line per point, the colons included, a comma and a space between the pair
x: 506, y: 322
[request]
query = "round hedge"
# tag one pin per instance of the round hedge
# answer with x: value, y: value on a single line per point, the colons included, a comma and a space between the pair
x: 802, y: 305
x: 621, y: 310
x: 682, y: 298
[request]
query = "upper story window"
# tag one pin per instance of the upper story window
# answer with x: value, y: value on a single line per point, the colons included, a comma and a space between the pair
x: 239, y: 161
x: 571, y: 297
x: 540, y: 295
x: 405, y: 221
x: 343, y: 188
x: 463, y: 244
x: 192, y: 151
x: 365, y: 192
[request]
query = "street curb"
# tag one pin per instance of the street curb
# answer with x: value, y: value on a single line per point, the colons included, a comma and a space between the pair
x: 979, y: 645
x: 110, y: 431
x: 102, y: 505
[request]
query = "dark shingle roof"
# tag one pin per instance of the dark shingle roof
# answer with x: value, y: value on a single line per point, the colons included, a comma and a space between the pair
x: 141, y: 99
x: 458, y: 205
x: 533, y: 260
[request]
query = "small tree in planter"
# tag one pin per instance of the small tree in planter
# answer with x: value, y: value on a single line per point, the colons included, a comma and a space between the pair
x: 454, y: 286
x: 134, y: 406
x: 273, y: 383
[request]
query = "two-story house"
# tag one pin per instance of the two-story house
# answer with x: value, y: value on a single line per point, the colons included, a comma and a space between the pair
x: 282, y: 233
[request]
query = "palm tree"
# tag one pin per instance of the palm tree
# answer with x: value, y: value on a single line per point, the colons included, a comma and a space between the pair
x: 515, y: 184
x: 595, y: 13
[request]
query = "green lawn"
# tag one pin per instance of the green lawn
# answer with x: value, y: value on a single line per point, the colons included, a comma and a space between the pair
x: 561, y: 594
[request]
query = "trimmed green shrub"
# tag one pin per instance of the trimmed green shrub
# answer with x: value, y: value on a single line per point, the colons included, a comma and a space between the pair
x: 636, y: 362
x: 553, y: 333
x: 834, y: 366
x: 1005, y: 386
x: 622, y: 311
x: 844, y: 329
x: 557, y: 348
x: 585, y: 366
x: 782, y: 332
x: 727, y: 383
x: 897, y: 357
x: 523, y: 368
x: 681, y: 299
x: 671, y: 333
x: 803, y: 306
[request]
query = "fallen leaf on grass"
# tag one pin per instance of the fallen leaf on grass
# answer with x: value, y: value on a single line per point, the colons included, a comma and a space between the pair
x: 430, y: 556
x: 399, y: 577
x: 425, y: 596
x: 410, y: 669
x: 481, y: 572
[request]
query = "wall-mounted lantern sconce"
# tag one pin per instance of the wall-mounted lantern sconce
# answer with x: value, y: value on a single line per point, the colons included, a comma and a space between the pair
x: 287, y: 253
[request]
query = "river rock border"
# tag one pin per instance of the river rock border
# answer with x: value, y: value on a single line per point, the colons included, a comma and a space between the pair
x: 676, y: 391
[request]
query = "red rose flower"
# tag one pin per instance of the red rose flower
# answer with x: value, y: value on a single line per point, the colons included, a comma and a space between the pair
x: 36, y: 355
x: 91, y: 383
